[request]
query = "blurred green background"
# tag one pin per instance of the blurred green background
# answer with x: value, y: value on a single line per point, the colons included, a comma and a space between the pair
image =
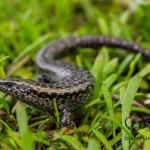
x: 27, y: 25
x: 24, y: 22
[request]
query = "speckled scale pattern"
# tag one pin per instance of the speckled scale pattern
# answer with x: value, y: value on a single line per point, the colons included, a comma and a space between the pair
x: 70, y: 85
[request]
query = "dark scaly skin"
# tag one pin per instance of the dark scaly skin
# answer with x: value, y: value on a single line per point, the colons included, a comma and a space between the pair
x: 69, y: 85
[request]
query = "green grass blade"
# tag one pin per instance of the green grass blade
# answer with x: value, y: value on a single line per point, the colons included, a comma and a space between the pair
x: 103, y: 139
x: 110, y: 80
x: 74, y: 142
x: 21, y: 118
x: 125, y: 64
x: 109, y: 104
x: 145, y: 71
x: 31, y: 47
x: 56, y: 114
x: 133, y: 65
x: 127, y: 103
x: 109, y: 67
x: 26, y: 135
x: 146, y: 135
x: 93, y: 144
